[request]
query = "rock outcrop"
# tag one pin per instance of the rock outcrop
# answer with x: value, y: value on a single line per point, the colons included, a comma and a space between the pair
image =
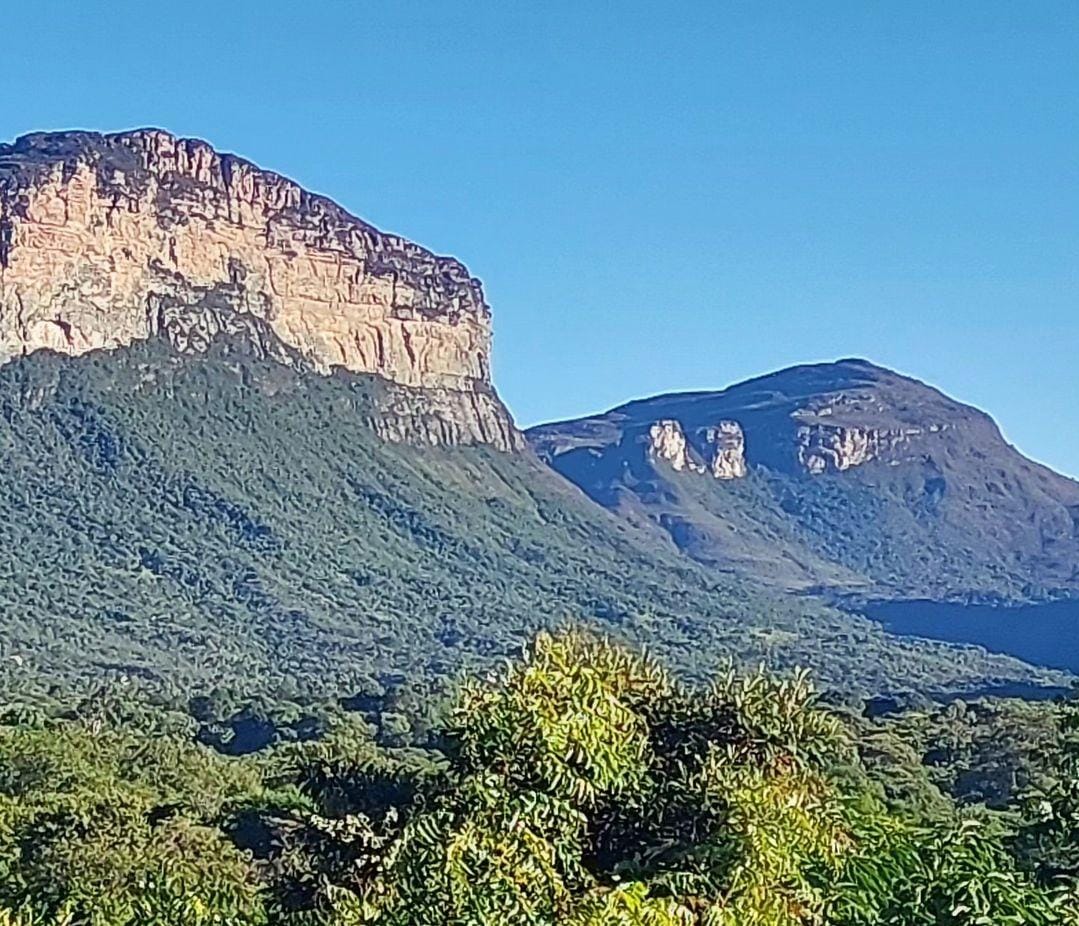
x: 107, y: 239
x: 667, y: 442
x: 827, y: 439
x: 722, y: 445
x: 728, y: 445
x: 822, y: 448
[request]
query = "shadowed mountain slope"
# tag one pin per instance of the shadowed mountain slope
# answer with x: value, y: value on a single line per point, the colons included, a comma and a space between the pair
x: 840, y: 476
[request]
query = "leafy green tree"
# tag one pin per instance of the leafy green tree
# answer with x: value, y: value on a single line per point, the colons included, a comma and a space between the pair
x: 100, y: 827
x: 586, y: 786
x: 1048, y: 840
x: 582, y: 785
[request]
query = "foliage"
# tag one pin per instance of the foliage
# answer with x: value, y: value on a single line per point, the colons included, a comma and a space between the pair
x: 1048, y: 839
x: 582, y: 785
x: 222, y: 526
x: 102, y: 827
x: 957, y: 873
x: 585, y: 785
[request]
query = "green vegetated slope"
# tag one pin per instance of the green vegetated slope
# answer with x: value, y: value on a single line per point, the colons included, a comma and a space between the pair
x: 219, y: 519
x: 581, y: 785
x: 940, y: 507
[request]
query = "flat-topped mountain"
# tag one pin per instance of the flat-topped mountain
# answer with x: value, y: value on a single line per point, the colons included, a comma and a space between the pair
x: 108, y: 239
x: 250, y: 441
x: 842, y: 475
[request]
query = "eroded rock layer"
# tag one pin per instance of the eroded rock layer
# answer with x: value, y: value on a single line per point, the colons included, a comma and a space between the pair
x: 107, y: 239
x: 718, y: 449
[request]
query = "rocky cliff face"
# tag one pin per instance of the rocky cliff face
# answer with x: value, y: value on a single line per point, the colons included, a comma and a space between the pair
x: 667, y: 442
x: 719, y: 450
x: 728, y: 444
x: 108, y: 239
x: 838, y: 431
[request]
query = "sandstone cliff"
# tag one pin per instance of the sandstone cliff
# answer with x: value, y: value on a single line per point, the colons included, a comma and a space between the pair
x: 719, y: 450
x: 108, y: 239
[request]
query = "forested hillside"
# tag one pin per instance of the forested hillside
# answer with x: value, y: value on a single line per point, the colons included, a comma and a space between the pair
x: 222, y: 520
x: 579, y: 785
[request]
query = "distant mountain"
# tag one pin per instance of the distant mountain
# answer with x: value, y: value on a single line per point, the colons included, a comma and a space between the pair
x: 249, y: 441
x: 844, y: 477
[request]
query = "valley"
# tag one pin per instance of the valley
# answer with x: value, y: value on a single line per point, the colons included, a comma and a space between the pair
x: 276, y: 463
x: 218, y: 519
x: 297, y: 626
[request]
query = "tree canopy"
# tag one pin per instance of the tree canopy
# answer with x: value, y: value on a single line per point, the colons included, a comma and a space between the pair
x: 581, y: 784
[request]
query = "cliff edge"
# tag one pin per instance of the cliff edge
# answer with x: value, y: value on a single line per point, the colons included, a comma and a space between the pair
x: 110, y: 239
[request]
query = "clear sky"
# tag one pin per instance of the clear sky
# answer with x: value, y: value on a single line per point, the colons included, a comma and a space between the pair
x: 658, y: 196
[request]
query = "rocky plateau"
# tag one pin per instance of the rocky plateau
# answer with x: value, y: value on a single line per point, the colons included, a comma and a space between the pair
x: 109, y: 239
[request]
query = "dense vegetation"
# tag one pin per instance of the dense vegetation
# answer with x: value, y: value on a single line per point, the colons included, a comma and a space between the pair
x: 580, y: 785
x: 223, y: 523
x: 233, y: 628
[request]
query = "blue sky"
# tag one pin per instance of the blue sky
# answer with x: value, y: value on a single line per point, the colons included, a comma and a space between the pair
x: 658, y: 196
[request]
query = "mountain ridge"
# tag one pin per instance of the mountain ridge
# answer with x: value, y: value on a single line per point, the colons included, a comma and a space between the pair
x: 851, y: 361
x: 250, y: 441
x: 820, y: 440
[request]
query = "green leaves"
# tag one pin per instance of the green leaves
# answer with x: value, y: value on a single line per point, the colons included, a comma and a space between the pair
x: 562, y: 721
x: 957, y: 874
x: 587, y: 787
x: 580, y: 786
x: 1048, y: 837
x: 101, y: 827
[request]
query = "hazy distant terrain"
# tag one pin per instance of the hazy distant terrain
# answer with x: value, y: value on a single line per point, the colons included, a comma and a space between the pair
x: 855, y: 481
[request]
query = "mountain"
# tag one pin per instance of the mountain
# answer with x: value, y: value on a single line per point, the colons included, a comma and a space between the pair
x: 108, y: 239
x: 208, y: 519
x: 250, y: 442
x: 839, y: 477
